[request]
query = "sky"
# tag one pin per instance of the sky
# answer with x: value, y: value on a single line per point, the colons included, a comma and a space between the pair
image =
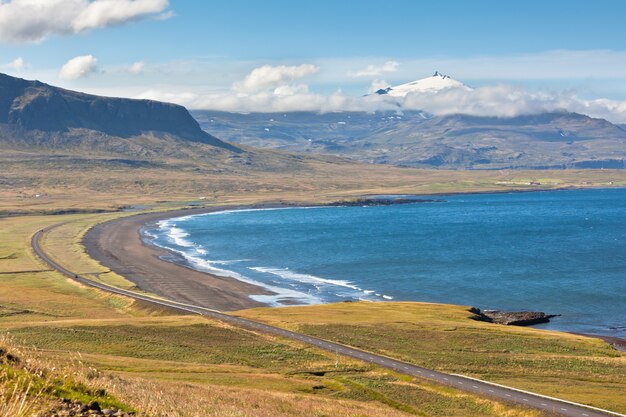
x: 271, y: 55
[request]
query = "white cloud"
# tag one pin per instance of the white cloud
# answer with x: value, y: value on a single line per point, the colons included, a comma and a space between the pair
x: 499, y: 101
x: 103, y: 13
x: 376, y: 70
x: 79, y: 67
x: 18, y: 64
x: 268, y: 77
x: 269, y: 101
x: 165, y: 15
x: 612, y: 110
x: 34, y: 20
x: 137, y: 67
x: 378, y: 85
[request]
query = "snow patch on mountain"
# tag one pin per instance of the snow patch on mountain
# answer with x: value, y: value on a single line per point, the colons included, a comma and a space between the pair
x: 434, y: 84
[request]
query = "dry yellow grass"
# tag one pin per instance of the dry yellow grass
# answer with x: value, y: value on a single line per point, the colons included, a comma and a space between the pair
x: 17, y: 398
x: 164, y: 399
x: 156, y: 386
x: 443, y: 337
x: 86, y: 183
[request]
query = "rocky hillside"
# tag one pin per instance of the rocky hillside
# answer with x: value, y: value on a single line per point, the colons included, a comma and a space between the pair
x: 34, y: 114
x: 418, y: 139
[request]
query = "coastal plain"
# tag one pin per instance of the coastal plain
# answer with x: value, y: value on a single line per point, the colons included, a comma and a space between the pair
x: 138, y: 349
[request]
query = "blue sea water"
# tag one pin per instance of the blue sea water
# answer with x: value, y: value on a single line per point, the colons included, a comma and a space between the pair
x: 560, y: 252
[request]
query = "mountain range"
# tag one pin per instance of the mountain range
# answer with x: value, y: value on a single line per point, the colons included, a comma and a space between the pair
x: 553, y: 140
x: 37, y: 116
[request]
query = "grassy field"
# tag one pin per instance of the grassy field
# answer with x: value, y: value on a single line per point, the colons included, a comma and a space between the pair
x: 30, y: 290
x: 68, y: 250
x: 445, y: 338
x: 201, y: 353
x: 58, y: 183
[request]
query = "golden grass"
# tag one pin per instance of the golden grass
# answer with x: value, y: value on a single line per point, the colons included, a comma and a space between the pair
x: 15, y: 251
x: 73, y: 183
x: 444, y: 337
x: 222, y: 371
x: 164, y: 399
x: 30, y: 383
x: 17, y: 398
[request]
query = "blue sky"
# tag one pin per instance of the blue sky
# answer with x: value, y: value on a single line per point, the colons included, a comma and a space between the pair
x: 277, y: 30
x: 193, y: 51
x: 403, y: 29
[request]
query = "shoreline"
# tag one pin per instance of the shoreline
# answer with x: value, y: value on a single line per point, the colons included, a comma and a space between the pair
x: 512, y: 191
x: 120, y: 245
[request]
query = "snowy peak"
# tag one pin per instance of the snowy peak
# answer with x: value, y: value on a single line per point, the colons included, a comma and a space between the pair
x: 433, y: 84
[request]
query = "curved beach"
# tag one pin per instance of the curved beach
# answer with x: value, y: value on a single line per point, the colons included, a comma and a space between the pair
x: 118, y: 245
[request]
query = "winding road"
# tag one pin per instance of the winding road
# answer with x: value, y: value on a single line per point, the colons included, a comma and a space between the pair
x: 485, y: 389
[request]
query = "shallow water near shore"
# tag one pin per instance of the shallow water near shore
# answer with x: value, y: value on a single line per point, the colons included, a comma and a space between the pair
x: 559, y: 252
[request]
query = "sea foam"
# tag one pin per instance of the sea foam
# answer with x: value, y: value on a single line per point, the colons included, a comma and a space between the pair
x: 195, y: 255
x: 317, y: 282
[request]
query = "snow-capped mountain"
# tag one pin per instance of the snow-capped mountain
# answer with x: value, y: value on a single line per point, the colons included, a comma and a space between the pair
x: 433, y: 84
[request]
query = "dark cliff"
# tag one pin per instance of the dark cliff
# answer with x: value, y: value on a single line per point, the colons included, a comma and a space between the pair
x: 34, y: 106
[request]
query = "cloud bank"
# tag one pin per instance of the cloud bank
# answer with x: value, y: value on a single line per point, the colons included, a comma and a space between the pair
x: 79, y: 67
x: 35, y: 20
x: 492, y: 101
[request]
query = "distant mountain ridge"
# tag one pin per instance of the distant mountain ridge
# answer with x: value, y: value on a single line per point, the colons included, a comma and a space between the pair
x: 418, y: 139
x: 32, y: 109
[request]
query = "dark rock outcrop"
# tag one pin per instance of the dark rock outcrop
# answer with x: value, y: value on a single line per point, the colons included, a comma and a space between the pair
x: 512, y: 318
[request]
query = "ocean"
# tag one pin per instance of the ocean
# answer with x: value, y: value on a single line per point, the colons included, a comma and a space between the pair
x: 561, y: 252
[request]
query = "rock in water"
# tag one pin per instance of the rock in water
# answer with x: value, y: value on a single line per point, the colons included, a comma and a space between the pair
x: 512, y: 318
